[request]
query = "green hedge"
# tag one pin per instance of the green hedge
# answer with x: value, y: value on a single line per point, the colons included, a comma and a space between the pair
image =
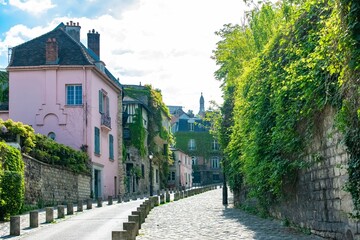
x: 44, y: 149
x: 12, y: 186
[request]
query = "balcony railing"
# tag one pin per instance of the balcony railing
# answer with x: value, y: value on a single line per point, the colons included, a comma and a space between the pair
x: 105, y: 121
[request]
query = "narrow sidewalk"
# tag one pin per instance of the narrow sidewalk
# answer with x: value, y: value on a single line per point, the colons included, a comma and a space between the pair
x: 203, y: 217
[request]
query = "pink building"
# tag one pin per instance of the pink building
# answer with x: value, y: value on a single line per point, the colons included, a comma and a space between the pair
x: 181, y: 172
x: 63, y: 90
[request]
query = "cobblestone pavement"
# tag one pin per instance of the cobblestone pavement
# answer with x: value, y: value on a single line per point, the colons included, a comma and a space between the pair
x: 203, y: 217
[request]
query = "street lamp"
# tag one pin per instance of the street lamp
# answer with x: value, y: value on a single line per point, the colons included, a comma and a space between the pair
x: 179, y: 173
x: 151, y: 173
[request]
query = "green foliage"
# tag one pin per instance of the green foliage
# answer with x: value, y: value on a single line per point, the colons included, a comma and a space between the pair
x: 349, y: 118
x: 158, y: 113
x: 203, y: 141
x: 26, y: 133
x: 12, y: 187
x: 51, y: 152
x: 138, y: 132
x: 279, y: 72
x: 44, y: 149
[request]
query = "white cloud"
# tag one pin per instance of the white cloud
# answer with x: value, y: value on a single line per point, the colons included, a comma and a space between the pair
x: 34, y: 7
x: 2, y: 2
x: 164, y: 43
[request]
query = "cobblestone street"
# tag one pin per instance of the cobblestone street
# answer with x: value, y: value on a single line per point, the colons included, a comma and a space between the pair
x: 204, y: 217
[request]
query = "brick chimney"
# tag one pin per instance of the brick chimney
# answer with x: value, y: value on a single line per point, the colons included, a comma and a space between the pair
x: 73, y: 30
x: 94, y: 42
x: 52, y: 51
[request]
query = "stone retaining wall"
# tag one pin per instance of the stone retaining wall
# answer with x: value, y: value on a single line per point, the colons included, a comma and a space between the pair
x: 317, y: 200
x: 52, y: 185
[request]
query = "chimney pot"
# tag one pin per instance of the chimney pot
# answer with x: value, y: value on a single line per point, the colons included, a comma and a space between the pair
x: 67, y: 23
x: 73, y: 30
x: 94, y: 42
x: 77, y: 24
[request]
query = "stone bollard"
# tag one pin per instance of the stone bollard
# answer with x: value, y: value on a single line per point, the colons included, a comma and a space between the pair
x: 148, y: 205
x: 134, y: 197
x: 135, y: 218
x: 15, y: 225
x: 143, y: 213
x: 99, y: 202
x: 158, y: 192
x: 61, y: 211
x: 156, y: 201
x: 127, y: 198
x: 49, y: 215
x: 152, y: 201
x: 146, y: 209
x: 34, y: 219
x: 130, y: 227
x: 120, y: 235
x: 138, y: 213
x: 89, y: 203
x: 119, y: 198
x: 175, y: 196
x: 80, y: 206
x: 70, y: 208
x: 110, y: 200
x: 162, y: 199
x: 167, y: 194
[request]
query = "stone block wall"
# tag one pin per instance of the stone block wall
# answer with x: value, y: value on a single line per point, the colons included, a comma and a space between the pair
x: 317, y: 200
x: 52, y: 184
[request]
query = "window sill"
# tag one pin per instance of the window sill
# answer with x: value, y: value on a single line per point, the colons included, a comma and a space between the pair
x: 97, y: 154
x: 74, y: 105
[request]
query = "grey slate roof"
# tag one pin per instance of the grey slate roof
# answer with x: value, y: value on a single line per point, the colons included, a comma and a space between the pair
x: 71, y: 52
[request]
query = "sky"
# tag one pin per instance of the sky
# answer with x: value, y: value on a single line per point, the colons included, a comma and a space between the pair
x: 165, y: 43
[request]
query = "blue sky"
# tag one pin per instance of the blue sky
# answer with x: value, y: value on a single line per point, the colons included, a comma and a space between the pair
x: 166, y: 43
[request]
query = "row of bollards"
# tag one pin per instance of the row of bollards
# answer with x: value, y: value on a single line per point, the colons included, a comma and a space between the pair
x: 131, y: 228
x: 49, y: 213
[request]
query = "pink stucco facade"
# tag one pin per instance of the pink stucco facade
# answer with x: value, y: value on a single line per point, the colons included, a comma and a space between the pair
x: 181, y: 170
x: 38, y: 97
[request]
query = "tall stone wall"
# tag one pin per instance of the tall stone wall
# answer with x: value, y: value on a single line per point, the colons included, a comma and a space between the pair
x: 317, y: 200
x: 51, y: 184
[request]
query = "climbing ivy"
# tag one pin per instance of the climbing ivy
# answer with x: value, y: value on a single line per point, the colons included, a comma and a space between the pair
x: 203, y: 141
x: 158, y: 114
x: 138, y: 132
x: 349, y: 113
x: 279, y: 72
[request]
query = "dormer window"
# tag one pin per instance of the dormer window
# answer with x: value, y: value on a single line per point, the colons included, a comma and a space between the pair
x: 100, y: 66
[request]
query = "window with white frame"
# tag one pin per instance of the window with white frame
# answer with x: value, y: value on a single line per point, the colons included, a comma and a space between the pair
x: 192, y: 144
x: 191, y: 126
x: 74, y: 94
x: 214, y: 145
x: 215, y: 162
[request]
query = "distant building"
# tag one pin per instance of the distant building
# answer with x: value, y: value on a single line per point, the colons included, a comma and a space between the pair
x: 192, y: 136
x: 180, y: 173
x: 146, y: 132
x: 64, y: 91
